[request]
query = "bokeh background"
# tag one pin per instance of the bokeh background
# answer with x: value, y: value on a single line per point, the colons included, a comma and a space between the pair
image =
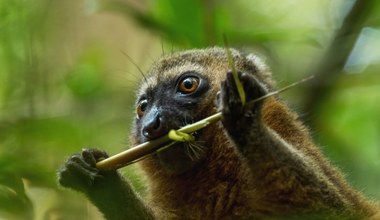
x: 67, y: 82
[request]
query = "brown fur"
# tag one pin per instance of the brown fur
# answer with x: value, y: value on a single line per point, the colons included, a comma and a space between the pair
x: 227, y: 185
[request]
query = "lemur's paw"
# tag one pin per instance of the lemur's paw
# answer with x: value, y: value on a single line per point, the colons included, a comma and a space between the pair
x: 237, y: 118
x: 79, y: 172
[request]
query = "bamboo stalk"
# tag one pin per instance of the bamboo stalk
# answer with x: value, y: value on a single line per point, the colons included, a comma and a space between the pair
x: 124, y: 158
x: 140, y: 151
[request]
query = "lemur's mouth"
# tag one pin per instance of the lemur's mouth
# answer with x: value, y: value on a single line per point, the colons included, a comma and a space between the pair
x: 180, y: 156
x: 193, y: 149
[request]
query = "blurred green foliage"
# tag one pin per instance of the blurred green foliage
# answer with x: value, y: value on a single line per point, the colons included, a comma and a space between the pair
x: 65, y: 84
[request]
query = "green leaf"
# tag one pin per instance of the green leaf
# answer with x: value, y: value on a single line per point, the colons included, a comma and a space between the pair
x: 238, y: 83
x: 14, y: 204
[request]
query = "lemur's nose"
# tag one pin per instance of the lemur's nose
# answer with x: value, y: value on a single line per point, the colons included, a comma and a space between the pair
x: 153, y: 126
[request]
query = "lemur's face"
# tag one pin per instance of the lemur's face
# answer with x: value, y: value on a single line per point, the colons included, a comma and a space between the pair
x: 181, y: 89
x: 171, y: 100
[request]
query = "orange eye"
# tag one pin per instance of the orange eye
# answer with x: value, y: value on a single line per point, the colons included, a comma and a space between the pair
x: 188, y: 85
x: 141, y: 107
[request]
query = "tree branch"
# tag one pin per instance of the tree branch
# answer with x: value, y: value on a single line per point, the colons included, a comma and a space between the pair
x: 332, y: 63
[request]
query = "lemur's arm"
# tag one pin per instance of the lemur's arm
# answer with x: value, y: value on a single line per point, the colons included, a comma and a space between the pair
x: 283, y: 174
x: 107, y: 190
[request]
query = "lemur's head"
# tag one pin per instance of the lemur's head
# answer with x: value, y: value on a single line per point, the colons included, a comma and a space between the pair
x: 181, y: 89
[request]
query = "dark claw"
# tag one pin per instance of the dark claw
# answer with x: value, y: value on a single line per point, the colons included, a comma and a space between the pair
x: 92, y: 156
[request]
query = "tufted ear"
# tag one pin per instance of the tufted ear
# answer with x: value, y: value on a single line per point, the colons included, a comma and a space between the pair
x: 259, y: 62
x: 265, y: 73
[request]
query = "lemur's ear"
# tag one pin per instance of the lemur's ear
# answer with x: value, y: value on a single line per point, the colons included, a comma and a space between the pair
x: 259, y: 63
